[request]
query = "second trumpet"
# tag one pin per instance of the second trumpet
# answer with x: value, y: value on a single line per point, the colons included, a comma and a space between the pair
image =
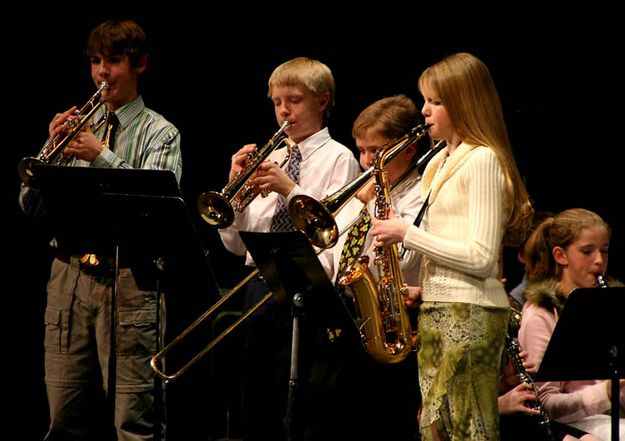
x: 53, y: 152
x: 218, y: 208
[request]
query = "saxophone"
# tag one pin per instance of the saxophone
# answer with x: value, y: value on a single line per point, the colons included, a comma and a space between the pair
x: 385, y: 327
x: 513, y: 348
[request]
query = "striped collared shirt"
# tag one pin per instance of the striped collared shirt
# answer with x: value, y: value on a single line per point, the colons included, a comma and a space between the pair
x: 143, y: 139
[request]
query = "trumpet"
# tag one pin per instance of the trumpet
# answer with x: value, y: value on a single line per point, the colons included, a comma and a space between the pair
x: 52, y: 152
x: 217, y: 208
x: 316, y: 218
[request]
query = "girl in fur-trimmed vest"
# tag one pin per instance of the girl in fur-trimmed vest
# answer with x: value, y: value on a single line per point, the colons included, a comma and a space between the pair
x: 566, y: 252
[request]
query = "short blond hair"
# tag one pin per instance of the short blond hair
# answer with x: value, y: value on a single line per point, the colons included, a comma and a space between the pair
x: 312, y: 74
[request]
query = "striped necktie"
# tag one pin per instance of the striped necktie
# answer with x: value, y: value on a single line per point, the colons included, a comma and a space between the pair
x: 281, y: 220
x: 108, y: 138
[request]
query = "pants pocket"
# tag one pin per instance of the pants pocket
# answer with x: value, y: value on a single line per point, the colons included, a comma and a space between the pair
x: 54, y: 330
x: 137, y: 332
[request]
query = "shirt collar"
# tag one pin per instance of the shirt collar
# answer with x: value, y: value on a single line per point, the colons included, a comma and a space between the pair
x: 128, y: 112
x: 308, y: 146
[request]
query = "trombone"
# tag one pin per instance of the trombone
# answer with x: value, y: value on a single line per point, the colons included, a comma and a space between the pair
x: 157, y: 357
x: 316, y: 218
x: 336, y: 202
x: 154, y: 361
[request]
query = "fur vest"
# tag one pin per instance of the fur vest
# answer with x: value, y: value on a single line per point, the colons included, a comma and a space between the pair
x: 547, y: 294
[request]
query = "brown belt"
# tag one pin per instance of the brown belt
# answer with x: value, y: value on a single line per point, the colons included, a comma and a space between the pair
x: 105, y: 267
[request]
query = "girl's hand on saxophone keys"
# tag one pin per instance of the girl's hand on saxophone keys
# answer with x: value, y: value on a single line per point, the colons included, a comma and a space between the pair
x: 388, y: 231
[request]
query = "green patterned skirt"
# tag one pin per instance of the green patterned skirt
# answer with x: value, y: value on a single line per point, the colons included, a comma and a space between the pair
x: 459, y: 358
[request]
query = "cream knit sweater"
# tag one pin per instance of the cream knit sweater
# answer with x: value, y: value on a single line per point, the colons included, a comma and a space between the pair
x: 461, y: 234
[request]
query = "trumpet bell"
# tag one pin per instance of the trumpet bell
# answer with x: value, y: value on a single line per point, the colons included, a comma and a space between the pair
x: 25, y: 170
x: 315, y: 220
x: 215, y: 209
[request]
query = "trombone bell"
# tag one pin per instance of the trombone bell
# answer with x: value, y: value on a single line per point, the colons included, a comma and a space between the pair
x: 315, y: 220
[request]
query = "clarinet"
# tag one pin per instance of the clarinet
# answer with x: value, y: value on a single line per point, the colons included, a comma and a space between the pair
x: 513, y: 348
x: 601, y: 281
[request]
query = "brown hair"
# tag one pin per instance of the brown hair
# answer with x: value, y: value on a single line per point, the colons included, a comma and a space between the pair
x: 556, y: 231
x: 392, y: 117
x: 118, y: 37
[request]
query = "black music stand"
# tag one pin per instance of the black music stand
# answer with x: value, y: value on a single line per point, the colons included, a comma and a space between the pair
x: 588, y: 342
x: 133, y: 214
x: 293, y: 272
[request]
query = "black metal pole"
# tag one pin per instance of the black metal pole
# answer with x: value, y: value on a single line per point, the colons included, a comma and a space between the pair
x: 292, y: 414
x: 614, y: 412
x: 112, y: 369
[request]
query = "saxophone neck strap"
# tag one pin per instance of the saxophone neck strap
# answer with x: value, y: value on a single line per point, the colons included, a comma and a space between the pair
x: 419, y: 217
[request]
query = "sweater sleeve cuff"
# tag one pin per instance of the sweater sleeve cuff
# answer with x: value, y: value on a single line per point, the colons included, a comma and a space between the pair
x: 411, y: 237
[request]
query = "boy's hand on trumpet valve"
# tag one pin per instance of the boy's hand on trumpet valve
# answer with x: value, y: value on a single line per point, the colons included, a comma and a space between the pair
x: 239, y: 160
x: 59, y: 122
x: 271, y: 177
x: 85, y: 146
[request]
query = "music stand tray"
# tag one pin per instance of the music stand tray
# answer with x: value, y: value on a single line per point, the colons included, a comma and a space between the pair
x: 80, y: 202
x: 588, y: 342
x: 112, y: 180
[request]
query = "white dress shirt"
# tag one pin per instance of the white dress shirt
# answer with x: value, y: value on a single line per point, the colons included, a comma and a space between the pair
x: 326, y: 166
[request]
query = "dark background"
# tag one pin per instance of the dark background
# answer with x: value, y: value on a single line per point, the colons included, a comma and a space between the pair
x: 208, y: 73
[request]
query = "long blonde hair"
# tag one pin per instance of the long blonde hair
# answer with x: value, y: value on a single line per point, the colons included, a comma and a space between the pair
x: 465, y: 86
